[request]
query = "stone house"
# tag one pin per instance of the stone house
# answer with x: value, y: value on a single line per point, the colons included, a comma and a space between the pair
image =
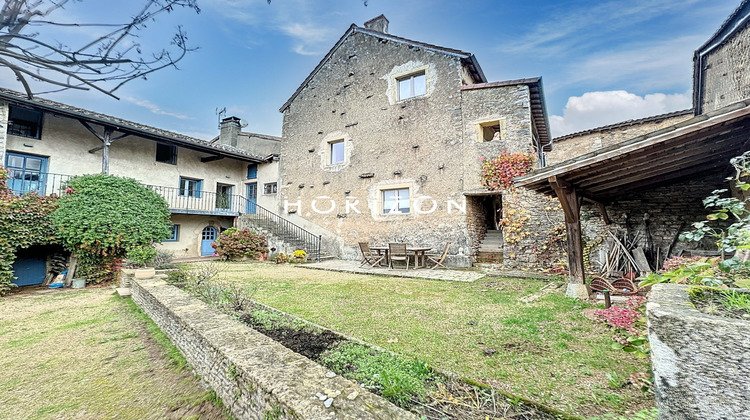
x: 649, y: 181
x: 206, y: 184
x: 383, y: 140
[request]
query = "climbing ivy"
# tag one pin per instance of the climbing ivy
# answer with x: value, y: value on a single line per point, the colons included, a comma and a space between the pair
x: 498, y: 172
x: 24, y: 221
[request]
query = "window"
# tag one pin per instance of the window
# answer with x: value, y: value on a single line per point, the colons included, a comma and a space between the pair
x: 490, y: 131
x: 25, y: 122
x: 337, y: 152
x: 412, y: 85
x: 269, y: 188
x: 396, y: 201
x: 252, y: 171
x: 175, y: 230
x: 166, y: 153
x: 190, y: 187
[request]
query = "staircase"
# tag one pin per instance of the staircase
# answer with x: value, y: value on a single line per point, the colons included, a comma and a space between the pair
x: 281, y: 233
x: 491, y: 247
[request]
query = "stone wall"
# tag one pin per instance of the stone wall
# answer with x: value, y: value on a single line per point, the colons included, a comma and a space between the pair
x: 701, y: 362
x: 577, y: 144
x: 725, y: 76
x: 254, y: 376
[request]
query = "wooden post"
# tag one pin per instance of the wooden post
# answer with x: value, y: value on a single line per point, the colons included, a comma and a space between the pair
x: 571, y: 206
x: 105, y: 150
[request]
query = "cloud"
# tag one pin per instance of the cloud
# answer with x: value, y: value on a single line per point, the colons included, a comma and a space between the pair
x: 310, y: 39
x: 154, y: 108
x: 595, y: 109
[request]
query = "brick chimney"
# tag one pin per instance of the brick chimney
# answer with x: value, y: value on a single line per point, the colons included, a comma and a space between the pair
x: 230, y: 131
x: 377, y: 24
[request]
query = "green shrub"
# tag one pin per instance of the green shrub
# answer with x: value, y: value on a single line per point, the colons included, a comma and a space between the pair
x: 103, y: 216
x: 234, y: 243
x: 140, y: 256
x: 163, y: 260
x: 280, y: 258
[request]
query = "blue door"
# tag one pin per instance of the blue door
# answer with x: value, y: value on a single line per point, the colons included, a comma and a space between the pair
x: 30, y: 269
x: 207, y: 236
x: 252, y: 198
x: 26, y: 173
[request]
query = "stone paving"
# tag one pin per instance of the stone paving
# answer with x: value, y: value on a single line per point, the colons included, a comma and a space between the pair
x: 349, y: 266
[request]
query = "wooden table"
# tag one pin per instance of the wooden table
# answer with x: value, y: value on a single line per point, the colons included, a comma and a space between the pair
x: 417, y: 250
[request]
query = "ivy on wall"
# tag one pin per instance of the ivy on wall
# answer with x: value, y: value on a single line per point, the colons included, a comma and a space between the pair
x: 24, y: 221
x: 498, y: 172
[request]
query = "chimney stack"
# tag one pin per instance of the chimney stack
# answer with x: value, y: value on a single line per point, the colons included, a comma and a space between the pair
x: 230, y: 131
x: 377, y: 24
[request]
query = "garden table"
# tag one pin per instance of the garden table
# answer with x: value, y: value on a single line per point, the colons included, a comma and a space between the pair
x: 418, y: 251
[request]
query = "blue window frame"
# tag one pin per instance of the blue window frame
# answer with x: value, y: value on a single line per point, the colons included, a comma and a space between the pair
x: 191, y: 187
x: 175, y: 229
x: 252, y: 171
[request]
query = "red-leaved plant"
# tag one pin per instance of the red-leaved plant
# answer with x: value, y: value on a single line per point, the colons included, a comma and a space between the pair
x: 498, y: 172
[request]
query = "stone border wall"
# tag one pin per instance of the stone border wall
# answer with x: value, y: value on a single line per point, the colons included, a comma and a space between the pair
x: 254, y: 376
x: 701, y: 362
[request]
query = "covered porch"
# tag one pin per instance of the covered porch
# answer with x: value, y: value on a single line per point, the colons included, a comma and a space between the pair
x: 692, y: 152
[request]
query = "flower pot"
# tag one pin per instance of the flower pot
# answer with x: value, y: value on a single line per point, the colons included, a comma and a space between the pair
x: 79, y: 283
x: 145, y: 273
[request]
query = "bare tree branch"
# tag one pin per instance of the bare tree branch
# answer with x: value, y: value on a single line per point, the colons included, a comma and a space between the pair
x: 105, y: 63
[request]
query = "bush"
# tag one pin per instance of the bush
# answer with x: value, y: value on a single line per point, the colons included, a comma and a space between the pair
x: 163, y: 260
x: 234, y: 243
x: 140, y: 256
x: 280, y: 258
x: 103, y: 216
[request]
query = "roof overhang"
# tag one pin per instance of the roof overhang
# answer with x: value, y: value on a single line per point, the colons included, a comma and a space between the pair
x: 698, y: 147
x: 124, y: 127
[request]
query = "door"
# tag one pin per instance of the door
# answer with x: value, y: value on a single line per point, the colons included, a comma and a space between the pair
x: 207, y: 236
x: 30, y: 267
x: 252, y: 198
x: 223, y: 196
x: 26, y: 173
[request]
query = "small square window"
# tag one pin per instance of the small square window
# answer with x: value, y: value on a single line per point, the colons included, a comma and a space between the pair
x: 25, y: 122
x: 337, y: 152
x: 190, y: 187
x: 166, y: 153
x: 396, y: 201
x: 252, y: 171
x: 490, y: 130
x: 269, y: 188
x: 175, y: 230
x: 412, y: 85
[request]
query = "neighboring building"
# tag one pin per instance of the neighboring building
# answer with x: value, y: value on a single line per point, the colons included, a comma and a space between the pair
x: 396, y: 128
x: 207, y: 185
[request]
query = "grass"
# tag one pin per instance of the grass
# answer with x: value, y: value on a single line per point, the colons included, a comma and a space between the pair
x: 89, y: 354
x: 545, y: 350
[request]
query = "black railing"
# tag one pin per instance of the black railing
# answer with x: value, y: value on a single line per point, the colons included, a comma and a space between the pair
x: 286, y: 230
x: 24, y: 182
x: 200, y: 202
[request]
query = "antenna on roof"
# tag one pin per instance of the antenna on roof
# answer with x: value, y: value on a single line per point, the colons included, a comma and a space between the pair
x: 221, y: 113
x: 243, y: 123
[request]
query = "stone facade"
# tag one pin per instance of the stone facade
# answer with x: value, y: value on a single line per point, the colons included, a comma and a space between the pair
x: 255, y: 377
x: 701, y: 362
x: 577, y: 144
x: 724, y: 76
x: 429, y: 145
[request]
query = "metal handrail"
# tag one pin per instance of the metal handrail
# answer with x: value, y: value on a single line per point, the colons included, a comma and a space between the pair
x: 285, y: 228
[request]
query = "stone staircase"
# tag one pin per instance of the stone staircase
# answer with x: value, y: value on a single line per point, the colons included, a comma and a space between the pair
x: 491, y: 247
x: 282, y: 235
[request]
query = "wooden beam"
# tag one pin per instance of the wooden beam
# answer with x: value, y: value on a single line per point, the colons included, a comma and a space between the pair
x: 211, y: 158
x: 570, y: 203
x: 105, y: 150
x: 96, y: 149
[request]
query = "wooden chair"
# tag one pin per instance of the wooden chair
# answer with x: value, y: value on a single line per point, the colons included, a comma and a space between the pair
x: 368, y: 256
x: 439, y: 261
x: 622, y: 286
x: 397, y: 252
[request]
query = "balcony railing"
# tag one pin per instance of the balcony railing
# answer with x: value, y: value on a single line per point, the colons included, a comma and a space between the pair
x: 201, y: 202
x: 24, y: 182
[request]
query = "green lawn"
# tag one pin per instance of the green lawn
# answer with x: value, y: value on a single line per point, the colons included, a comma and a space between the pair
x: 546, y: 350
x: 87, y: 354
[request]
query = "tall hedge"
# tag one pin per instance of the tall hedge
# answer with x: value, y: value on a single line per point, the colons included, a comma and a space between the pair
x: 102, y: 216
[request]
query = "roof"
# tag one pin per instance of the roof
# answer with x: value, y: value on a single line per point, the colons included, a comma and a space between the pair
x: 128, y: 127
x: 698, y: 147
x: 469, y: 60
x: 538, y: 107
x: 247, y: 134
x: 735, y: 22
x: 623, y: 124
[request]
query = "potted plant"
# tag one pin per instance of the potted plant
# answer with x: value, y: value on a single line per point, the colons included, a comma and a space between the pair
x: 299, y: 256
x: 139, y: 257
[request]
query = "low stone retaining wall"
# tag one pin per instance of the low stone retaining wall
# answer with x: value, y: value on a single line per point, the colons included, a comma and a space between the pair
x: 256, y: 377
x: 701, y: 362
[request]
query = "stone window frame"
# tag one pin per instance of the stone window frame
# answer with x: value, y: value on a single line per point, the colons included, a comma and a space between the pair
x: 381, y: 201
x: 332, y: 145
x: 325, y: 149
x: 407, y: 69
x: 482, y: 126
x: 411, y: 77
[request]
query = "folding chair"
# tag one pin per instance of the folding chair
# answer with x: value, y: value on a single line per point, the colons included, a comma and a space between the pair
x: 368, y: 256
x: 439, y: 262
x: 397, y: 252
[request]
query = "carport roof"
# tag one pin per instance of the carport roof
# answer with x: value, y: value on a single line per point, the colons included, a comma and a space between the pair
x: 697, y: 147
